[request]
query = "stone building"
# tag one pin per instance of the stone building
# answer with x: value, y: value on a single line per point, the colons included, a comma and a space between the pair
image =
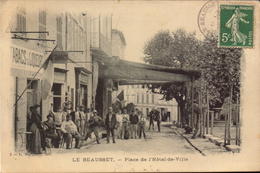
x: 145, y: 101
x: 35, y: 33
x: 118, y: 44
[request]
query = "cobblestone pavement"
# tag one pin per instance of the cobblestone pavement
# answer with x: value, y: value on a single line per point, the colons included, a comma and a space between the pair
x: 165, y: 142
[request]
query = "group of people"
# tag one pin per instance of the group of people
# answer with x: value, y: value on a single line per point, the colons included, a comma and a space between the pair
x: 60, y: 128
x: 154, y: 115
x: 63, y: 125
x: 130, y: 125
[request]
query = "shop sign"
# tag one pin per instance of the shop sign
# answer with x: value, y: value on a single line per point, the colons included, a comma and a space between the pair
x: 26, y: 57
x: 83, y: 79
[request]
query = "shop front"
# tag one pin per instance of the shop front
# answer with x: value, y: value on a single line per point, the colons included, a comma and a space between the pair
x: 82, y: 76
x: 26, y: 89
x: 58, y: 88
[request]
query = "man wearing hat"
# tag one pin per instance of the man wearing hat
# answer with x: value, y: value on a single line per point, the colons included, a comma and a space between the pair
x: 157, y: 118
x: 151, y: 118
x: 83, y: 118
x: 77, y: 118
x: 93, y: 125
x: 50, y: 131
x: 110, y: 124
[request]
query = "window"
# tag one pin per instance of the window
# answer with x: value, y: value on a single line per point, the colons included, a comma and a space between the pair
x: 83, y: 95
x: 31, y: 93
x: 138, y: 98
x: 42, y: 27
x: 153, y: 99
x: 33, y: 84
x: 59, y: 33
x: 142, y: 98
x: 147, y: 98
x: 21, y: 21
x: 56, y: 90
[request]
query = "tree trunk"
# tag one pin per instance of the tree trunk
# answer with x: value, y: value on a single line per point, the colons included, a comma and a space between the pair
x: 183, y: 114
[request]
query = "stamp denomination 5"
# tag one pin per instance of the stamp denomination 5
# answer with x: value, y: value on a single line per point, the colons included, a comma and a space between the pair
x: 236, y: 24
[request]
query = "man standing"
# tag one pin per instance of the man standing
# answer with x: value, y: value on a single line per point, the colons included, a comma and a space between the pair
x: 133, y: 124
x: 70, y: 130
x: 93, y: 126
x: 82, y: 120
x: 151, y: 117
x: 110, y: 124
x: 157, y: 118
x: 119, y: 118
x: 77, y: 118
x: 141, y: 125
x: 125, y: 122
x: 63, y: 113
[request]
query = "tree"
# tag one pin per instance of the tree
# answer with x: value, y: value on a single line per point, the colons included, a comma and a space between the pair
x: 172, y: 49
x: 220, y: 70
x: 220, y: 67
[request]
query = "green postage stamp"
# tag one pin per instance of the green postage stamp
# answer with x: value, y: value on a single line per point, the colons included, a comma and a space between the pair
x: 236, y: 24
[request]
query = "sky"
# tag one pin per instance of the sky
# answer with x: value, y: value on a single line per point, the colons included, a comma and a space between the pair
x: 141, y: 20
x: 139, y: 23
x: 138, y: 20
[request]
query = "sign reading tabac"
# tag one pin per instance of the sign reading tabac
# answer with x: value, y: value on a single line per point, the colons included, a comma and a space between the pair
x: 236, y: 24
x: 25, y: 57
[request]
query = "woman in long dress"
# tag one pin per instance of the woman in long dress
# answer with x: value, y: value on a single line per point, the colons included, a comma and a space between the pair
x: 36, y: 137
x: 233, y: 23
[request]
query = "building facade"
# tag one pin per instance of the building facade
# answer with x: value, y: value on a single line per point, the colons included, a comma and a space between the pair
x: 137, y: 94
x: 146, y: 101
x: 34, y: 37
x: 118, y: 44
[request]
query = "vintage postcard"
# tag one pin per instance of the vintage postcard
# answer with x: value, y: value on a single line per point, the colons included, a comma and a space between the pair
x: 129, y: 86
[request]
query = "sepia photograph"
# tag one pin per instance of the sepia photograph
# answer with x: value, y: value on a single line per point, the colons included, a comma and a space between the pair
x: 129, y: 86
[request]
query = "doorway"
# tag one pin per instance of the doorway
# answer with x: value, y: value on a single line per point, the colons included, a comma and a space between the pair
x: 57, y: 96
x: 31, y: 94
x: 83, y: 95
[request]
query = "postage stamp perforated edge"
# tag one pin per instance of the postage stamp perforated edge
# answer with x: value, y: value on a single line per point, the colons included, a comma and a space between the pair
x: 253, y: 23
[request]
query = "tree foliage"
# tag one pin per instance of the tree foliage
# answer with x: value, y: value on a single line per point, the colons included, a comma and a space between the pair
x: 220, y: 67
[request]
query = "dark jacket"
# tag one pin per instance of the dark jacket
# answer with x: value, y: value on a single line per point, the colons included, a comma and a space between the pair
x: 95, y: 121
x: 50, y: 127
x: 72, y: 115
x: 110, y: 124
x: 134, y: 119
x: 36, y: 118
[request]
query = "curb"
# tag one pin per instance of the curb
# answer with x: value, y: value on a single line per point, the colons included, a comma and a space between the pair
x: 213, y: 139
x: 220, y: 142
x: 233, y: 148
x: 179, y: 133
